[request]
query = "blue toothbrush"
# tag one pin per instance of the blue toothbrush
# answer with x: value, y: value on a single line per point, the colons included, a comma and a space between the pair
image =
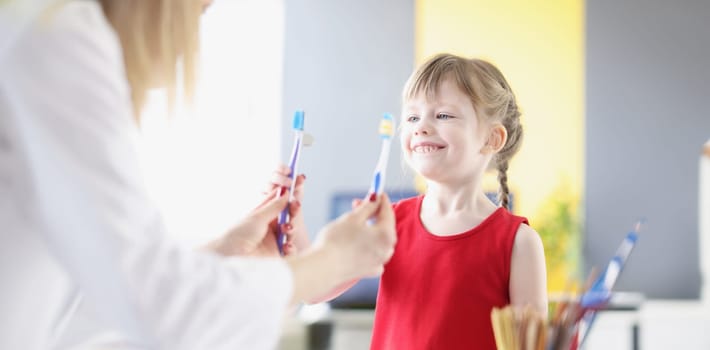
x: 298, y: 121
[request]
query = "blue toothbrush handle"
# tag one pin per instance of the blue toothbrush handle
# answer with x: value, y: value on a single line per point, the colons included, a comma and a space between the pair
x: 376, y: 181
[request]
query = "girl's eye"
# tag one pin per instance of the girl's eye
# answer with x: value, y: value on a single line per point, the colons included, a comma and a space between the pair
x: 443, y: 116
x: 412, y: 118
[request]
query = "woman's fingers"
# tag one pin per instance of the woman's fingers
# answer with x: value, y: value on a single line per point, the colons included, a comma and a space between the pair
x: 385, y: 220
x: 366, y: 209
x: 384, y: 210
x: 294, y: 208
x: 355, y: 203
x: 279, y: 178
x: 271, y: 206
x: 269, y: 196
x: 299, y: 188
x: 290, y: 249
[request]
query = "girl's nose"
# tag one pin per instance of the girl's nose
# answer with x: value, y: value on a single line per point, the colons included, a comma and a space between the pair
x: 422, y: 128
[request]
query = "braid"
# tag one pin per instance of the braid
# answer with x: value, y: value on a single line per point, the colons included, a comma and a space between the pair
x: 511, y: 122
x: 503, y: 193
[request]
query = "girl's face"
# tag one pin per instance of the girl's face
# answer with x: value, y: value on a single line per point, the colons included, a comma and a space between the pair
x: 442, y: 138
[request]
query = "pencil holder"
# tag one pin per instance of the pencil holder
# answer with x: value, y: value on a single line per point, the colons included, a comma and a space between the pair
x: 526, y: 329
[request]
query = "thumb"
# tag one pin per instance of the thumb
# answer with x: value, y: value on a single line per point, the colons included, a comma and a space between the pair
x: 355, y: 203
x: 272, y: 206
x: 385, y: 214
x: 366, y: 209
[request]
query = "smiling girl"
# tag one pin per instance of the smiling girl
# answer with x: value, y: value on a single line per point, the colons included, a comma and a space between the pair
x: 458, y: 254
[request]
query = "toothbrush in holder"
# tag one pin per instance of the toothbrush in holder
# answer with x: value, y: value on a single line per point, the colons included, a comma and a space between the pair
x: 298, y: 121
x: 386, y: 131
x: 600, y: 292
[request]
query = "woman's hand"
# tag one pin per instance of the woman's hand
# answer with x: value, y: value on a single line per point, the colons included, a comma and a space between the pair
x: 356, y: 245
x: 297, y: 239
x: 364, y: 237
x: 256, y: 234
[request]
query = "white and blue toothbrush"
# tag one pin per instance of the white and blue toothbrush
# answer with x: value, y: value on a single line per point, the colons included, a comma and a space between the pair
x: 386, y: 131
x: 600, y: 292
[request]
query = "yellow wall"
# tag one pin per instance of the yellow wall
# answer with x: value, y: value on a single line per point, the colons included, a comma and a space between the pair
x: 539, y: 47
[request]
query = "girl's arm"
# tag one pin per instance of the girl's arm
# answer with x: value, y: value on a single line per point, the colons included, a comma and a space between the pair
x: 528, y: 277
x: 334, y: 293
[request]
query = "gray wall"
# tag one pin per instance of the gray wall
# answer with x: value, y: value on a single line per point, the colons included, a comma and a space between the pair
x: 648, y: 89
x: 345, y: 65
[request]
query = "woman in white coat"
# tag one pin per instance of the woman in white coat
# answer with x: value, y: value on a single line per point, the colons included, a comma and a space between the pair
x: 75, y: 219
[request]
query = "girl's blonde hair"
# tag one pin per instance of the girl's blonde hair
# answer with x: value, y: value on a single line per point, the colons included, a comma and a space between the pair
x: 157, y: 37
x: 490, y: 94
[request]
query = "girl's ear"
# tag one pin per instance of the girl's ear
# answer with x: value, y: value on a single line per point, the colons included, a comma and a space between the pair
x: 497, y: 136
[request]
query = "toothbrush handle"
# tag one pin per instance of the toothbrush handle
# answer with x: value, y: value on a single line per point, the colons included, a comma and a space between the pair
x: 378, y: 180
x: 283, y: 216
x: 618, y: 261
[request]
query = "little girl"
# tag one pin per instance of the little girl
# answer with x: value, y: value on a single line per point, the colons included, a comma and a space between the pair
x: 458, y: 254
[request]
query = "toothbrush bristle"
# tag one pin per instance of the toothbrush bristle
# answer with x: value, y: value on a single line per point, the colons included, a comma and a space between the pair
x: 387, y: 126
x: 298, y: 120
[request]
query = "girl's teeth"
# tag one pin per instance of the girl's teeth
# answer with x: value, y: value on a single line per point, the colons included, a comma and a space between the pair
x: 425, y: 149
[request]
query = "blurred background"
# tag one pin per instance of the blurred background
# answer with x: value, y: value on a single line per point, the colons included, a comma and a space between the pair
x: 614, y: 98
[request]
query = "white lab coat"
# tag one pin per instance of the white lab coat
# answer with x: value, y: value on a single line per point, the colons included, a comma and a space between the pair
x: 75, y: 219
